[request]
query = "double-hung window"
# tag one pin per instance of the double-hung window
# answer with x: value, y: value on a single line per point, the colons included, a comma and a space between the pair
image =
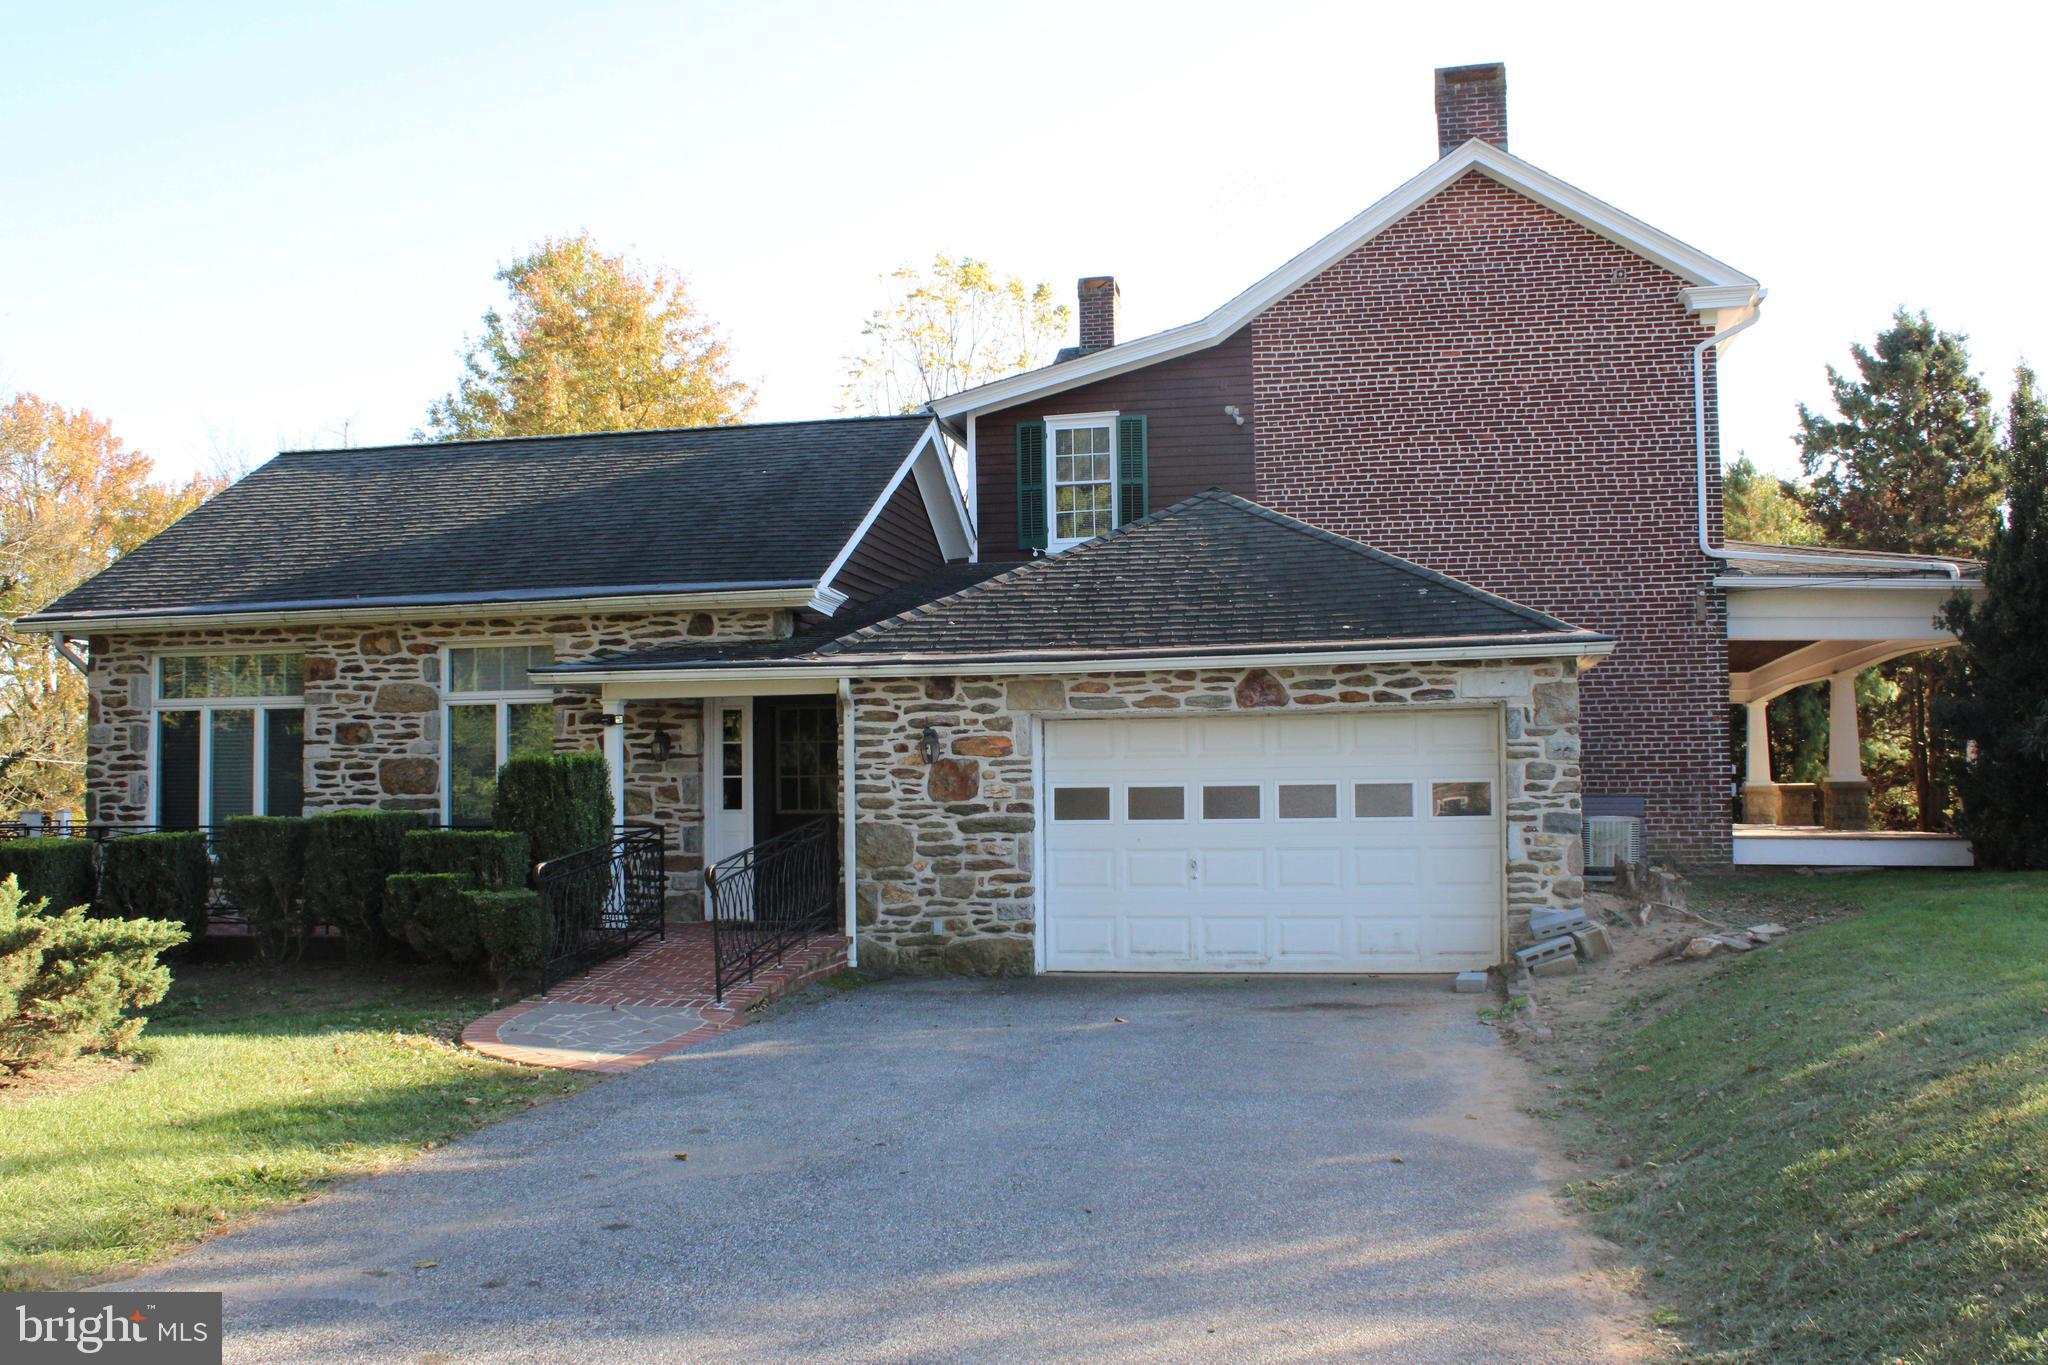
x: 230, y: 737
x: 1080, y: 476
x: 493, y: 713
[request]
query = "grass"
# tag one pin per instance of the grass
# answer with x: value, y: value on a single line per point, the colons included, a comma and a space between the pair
x: 250, y: 1089
x: 1837, y: 1147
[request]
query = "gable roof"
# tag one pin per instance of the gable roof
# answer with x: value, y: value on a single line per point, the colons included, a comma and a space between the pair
x: 1713, y: 285
x: 1214, y: 576
x: 768, y: 508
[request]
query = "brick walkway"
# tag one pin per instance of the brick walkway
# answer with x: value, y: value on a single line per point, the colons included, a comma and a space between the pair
x: 650, y: 1003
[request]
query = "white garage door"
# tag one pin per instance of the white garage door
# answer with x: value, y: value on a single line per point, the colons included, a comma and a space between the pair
x: 1325, y: 843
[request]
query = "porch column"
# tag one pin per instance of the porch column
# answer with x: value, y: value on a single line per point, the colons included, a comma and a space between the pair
x: 1847, y: 795
x: 1759, y: 793
x: 615, y: 755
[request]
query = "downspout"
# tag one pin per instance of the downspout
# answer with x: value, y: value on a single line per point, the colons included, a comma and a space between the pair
x: 1699, y: 429
x: 846, y: 820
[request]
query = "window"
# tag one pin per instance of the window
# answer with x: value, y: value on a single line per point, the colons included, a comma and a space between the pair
x: 806, y: 776
x: 1230, y: 803
x: 493, y: 714
x: 1308, y: 801
x: 1156, y: 803
x: 230, y: 737
x: 1454, y: 799
x: 1080, y: 803
x: 1083, y: 483
x: 1383, y: 801
x: 732, y: 759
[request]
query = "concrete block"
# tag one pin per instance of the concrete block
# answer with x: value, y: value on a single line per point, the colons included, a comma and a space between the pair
x: 1591, y: 943
x: 1557, y: 966
x: 1469, y: 983
x: 1537, y: 956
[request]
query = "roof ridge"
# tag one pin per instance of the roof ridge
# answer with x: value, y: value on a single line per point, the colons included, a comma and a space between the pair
x: 921, y: 417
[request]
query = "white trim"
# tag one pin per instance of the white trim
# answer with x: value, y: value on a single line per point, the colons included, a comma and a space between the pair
x: 809, y: 596
x: 259, y: 737
x: 1797, y: 848
x: 1041, y: 815
x: 850, y: 873
x: 973, y: 490
x: 1588, y: 652
x: 499, y: 699
x: 1701, y: 271
x: 1947, y: 587
x: 955, y: 539
x: 1077, y: 421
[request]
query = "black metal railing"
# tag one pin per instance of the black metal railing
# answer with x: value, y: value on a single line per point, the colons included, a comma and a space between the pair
x: 764, y: 901
x: 601, y: 901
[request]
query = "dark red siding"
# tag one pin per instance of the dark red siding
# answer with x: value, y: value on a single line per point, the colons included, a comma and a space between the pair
x: 900, y: 546
x: 1502, y: 395
x: 1193, y: 445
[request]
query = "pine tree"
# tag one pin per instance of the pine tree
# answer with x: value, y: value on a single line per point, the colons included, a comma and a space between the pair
x: 1911, y: 463
x: 1999, y: 701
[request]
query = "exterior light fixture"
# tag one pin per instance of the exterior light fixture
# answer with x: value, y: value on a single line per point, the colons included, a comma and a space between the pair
x: 928, y: 745
x: 663, y: 744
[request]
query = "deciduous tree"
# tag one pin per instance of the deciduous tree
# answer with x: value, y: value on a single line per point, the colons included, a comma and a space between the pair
x: 1999, y: 699
x: 949, y: 327
x: 1765, y: 510
x: 72, y: 499
x: 589, y: 342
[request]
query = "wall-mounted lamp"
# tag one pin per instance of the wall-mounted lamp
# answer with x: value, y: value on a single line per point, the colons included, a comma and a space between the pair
x: 663, y: 745
x: 1233, y: 414
x: 928, y: 745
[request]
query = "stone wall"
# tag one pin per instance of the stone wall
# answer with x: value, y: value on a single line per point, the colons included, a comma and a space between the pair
x: 373, y: 711
x: 944, y: 850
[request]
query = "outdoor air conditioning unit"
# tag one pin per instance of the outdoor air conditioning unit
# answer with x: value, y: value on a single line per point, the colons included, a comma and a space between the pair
x: 1612, y: 839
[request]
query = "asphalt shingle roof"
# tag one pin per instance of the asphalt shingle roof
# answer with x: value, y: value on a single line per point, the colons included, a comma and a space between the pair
x: 1214, y: 574
x: 641, y: 511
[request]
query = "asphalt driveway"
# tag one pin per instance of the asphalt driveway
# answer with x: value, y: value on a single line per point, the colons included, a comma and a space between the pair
x: 1143, y: 1169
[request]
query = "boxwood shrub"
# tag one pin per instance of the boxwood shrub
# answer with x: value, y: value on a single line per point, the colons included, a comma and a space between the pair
x: 512, y: 930
x: 68, y: 982
x: 263, y: 867
x: 349, y: 853
x: 156, y: 876
x: 492, y: 859
x: 560, y: 802
x: 50, y: 868
x: 428, y: 912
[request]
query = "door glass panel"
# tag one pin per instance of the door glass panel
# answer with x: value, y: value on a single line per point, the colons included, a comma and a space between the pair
x: 1156, y: 803
x: 1230, y: 803
x: 732, y: 759
x: 1308, y: 800
x: 284, y: 748
x: 529, y: 729
x: 1080, y: 803
x: 177, y: 767
x: 472, y: 763
x: 1383, y: 801
x: 1455, y: 799
x: 234, y: 765
x: 805, y: 774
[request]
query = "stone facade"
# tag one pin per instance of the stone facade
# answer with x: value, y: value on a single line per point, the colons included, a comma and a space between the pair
x: 944, y: 850
x: 373, y: 711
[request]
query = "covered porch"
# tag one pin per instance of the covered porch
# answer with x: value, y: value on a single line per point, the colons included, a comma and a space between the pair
x: 1810, y: 618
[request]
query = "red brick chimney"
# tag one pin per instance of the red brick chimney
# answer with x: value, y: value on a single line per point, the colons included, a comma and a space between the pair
x: 1098, y: 312
x: 1471, y: 101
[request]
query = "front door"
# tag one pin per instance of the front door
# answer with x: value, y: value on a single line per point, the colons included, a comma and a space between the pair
x: 729, y: 778
x: 796, y: 748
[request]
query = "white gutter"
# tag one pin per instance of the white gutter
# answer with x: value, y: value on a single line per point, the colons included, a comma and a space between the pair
x: 846, y: 820
x: 1699, y: 431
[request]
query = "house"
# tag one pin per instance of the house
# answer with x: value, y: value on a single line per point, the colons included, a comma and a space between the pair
x: 1302, y: 637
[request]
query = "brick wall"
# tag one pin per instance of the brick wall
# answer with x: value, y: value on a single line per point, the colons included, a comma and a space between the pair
x: 1500, y: 394
x: 373, y: 712
x: 946, y: 879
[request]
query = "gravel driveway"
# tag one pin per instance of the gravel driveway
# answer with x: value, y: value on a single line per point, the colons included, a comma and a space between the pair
x: 1107, y: 1169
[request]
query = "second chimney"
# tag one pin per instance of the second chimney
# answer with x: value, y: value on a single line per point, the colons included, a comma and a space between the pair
x: 1471, y: 101
x: 1098, y: 312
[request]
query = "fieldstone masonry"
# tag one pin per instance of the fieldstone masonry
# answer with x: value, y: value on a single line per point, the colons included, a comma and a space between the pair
x: 373, y: 712
x: 944, y: 850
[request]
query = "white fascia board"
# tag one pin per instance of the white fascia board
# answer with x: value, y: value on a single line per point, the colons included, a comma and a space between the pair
x: 810, y: 597
x: 1713, y: 285
x: 1588, y: 651
x: 948, y: 515
x: 1947, y: 587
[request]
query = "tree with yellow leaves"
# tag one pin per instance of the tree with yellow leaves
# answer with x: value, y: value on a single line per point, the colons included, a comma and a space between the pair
x: 958, y: 324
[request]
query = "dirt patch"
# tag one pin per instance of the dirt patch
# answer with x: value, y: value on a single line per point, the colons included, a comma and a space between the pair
x: 79, y: 1075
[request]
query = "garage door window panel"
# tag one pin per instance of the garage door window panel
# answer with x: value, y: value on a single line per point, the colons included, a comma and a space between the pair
x: 1230, y: 802
x: 1307, y: 801
x: 1460, y: 800
x: 1156, y: 803
x: 1080, y: 803
x: 1383, y: 801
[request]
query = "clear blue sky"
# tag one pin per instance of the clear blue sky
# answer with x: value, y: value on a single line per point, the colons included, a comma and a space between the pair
x: 244, y: 227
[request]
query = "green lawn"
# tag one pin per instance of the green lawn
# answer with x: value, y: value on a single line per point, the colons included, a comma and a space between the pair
x: 1840, y: 1143
x: 254, y: 1088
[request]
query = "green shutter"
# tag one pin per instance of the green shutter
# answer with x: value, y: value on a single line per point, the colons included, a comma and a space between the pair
x: 1031, y: 485
x: 1132, y: 484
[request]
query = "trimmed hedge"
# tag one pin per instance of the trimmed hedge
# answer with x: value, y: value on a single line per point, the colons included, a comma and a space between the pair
x: 491, y: 859
x: 512, y: 929
x: 427, y: 911
x: 349, y: 854
x: 50, y: 868
x: 67, y: 981
x: 263, y: 866
x: 560, y: 802
x: 156, y: 876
